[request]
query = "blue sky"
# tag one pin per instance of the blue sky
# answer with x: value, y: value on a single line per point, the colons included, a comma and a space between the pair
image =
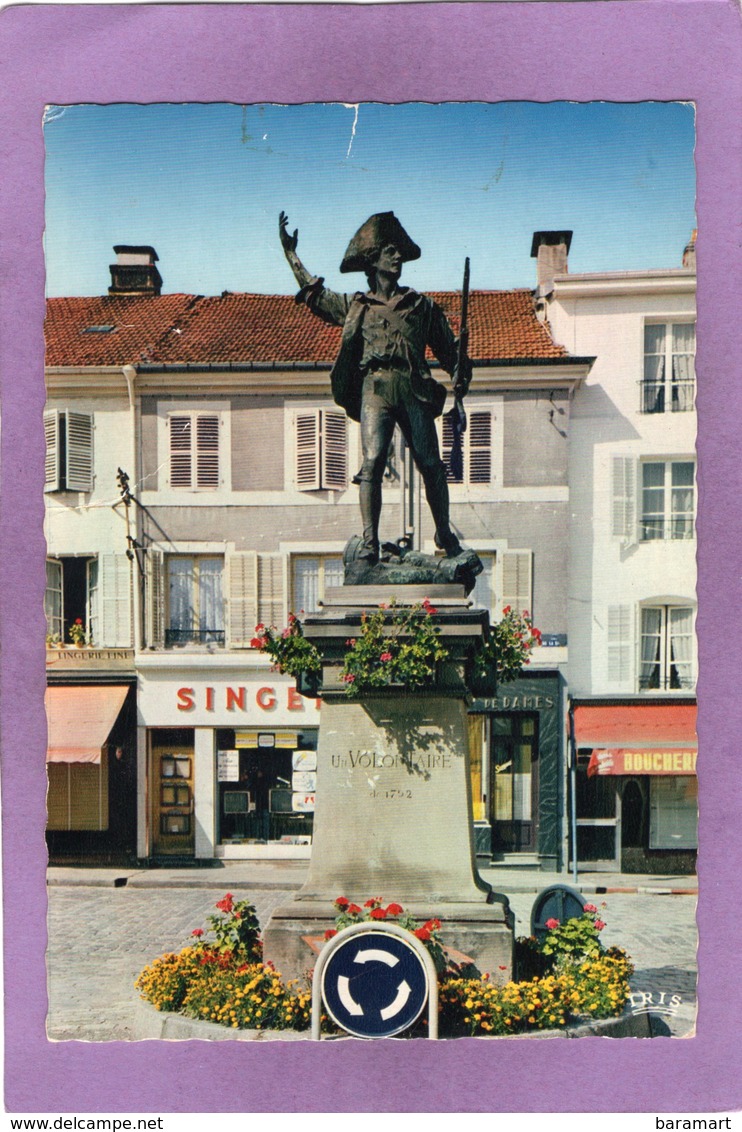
x: 204, y: 183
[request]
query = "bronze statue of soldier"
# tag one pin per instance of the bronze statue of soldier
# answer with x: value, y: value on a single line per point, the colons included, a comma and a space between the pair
x: 381, y: 377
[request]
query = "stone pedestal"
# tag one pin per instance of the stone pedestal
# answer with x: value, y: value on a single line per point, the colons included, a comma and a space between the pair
x: 394, y: 814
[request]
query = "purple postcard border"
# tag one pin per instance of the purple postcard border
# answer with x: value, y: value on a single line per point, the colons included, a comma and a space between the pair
x: 615, y: 51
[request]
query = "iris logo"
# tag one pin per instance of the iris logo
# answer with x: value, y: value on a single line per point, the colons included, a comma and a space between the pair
x: 654, y: 1002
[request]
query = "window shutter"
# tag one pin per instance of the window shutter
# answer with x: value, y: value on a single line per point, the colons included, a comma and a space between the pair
x: 334, y: 450
x: 242, y: 608
x: 619, y: 644
x: 79, y: 469
x: 180, y: 451
x: 51, y: 462
x: 479, y: 432
x: 114, y: 601
x: 623, y: 521
x: 307, y: 451
x: 446, y: 446
x: 517, y: 580
x: 155, y: 599
x: 207, y: 450
x: 270, y: 589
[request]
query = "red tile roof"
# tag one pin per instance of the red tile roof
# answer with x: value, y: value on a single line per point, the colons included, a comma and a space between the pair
x: 245, y: 328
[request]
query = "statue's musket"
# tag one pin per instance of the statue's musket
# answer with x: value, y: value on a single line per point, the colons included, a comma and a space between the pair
x: 457, y: 414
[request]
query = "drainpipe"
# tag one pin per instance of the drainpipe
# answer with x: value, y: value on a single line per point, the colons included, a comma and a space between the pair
x: 573, y: 786
x: 130, y: 375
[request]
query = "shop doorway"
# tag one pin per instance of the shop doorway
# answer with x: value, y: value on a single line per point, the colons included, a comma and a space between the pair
x: 514, y: 782
x: 173, y: 829
x: 598, y: 819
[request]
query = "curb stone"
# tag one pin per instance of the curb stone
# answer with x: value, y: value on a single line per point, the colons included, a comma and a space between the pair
x: 150, y: 1024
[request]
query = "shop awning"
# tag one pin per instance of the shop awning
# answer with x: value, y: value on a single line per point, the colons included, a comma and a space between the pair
x: 637, y: 738
x: 80, y: 719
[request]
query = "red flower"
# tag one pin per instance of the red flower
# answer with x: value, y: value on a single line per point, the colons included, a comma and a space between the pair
x: 589, y: 908
x: 256, y: 643
x: 432, y: 925
x: 378, y: 913
x: 78, y: 620
x: 373, y: 902
x: 197, y: 931
x: 385, y: 656
x: 599, y: 924
x: 330, y: 933
x: 353, y: 910
x: 428, y: 607
x: 259, y: 627
x: 506, y: 609
x: 226, y: 905
x: 552, y: 923
x: 348, y: 678
x: 423, y: 934
x: 502, y: 967
x: 350, y: 642
x: 342, y: 902
x: 394, y: 909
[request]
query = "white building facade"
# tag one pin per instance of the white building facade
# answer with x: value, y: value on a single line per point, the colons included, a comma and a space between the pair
x: 632, y: 562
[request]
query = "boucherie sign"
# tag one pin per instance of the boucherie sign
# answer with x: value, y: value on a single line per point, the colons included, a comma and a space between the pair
x: 622, y: 760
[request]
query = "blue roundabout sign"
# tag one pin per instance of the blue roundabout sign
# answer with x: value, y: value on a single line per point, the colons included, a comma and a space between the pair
x: 374, y: 983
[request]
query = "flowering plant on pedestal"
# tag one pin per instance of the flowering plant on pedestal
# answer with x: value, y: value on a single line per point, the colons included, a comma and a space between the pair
x: 289, y: 649
x: 406, y: 654
x: 508, y: 647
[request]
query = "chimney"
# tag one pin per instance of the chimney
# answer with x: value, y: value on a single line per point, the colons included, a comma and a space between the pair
x: 689, y: 252
x: 134, y: 272
x: 550, y: 250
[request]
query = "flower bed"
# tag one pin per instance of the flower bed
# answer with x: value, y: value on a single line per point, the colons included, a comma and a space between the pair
x: 220, y: 977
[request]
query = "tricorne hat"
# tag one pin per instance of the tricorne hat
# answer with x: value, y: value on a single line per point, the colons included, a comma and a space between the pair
x: 379, y: 230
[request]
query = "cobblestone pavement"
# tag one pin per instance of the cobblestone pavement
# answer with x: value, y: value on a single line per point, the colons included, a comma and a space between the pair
x: 101, y: 938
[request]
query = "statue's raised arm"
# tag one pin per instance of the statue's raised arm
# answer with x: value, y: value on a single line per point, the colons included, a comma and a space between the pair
x: 289, y: 243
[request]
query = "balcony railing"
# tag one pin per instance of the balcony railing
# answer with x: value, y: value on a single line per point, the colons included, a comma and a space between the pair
x: 679, y: 395
x: 174, y: 637
x: 673, y: 682
x: 657, y: 527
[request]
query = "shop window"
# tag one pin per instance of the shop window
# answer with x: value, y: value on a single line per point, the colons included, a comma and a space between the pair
x: 673, y: 812
x: 312, y: 577
x: 69, y: 450
x: 194, y: 443
x: 666, y: 648
x: 477, y: 447
x: 77, y: 798
x: 195, y: 600
x: 668, y: 500
x: 668, y: 384
x: 321, y: 450
x: 266, y: 785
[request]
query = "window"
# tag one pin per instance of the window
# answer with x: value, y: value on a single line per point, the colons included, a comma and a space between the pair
x: 483, y: 595
x: 673, y: 812
x: 311, y: 579
x: 668, y: 384
x: 194, y: 450
x: 69, y: 450
x: 667, y: 500
x: 93, y: 591
x: 321, y: 450
x: 195, y: 600
x: 477, y: 447
x: 666, y: 647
